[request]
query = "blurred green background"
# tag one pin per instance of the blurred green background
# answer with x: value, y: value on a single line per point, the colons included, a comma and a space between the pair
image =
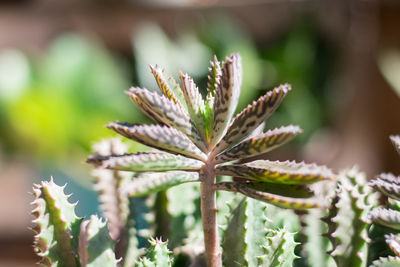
x: 64, y: 68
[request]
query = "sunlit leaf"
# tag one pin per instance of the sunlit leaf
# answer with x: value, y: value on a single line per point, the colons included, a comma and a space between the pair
x: 252, y: 116
x: 281, y: 201
x: 389, y: 261
x: 287, y: 172
x: 173, y: 93
x: 226, y: 96
x: 154, y: 161
x: 164, y: 111
x: 386, y: 217
x: 194, y: 102
x: 387, y: 184
x: 149, y: 183
x: 161, y: 137
x: 393, y: 242
x: 260, y: 144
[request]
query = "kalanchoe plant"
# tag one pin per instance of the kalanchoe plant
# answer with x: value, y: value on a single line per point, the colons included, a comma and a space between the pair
x: 389, y: 185
x: 197, y: 141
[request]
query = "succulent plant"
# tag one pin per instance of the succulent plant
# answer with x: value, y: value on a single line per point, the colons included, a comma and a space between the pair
x: 389, y: 185
x: 196, y: 140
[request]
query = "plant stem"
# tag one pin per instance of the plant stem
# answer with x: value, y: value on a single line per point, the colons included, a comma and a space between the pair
x: 209, y: 217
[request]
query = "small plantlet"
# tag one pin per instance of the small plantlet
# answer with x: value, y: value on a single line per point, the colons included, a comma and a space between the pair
x: 196, y: 140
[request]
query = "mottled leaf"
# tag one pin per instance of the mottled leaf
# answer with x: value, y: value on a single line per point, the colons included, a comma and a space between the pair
x: 259, y: 144
x: 387, y: 184
x: 95, y: 245
x: 166, y: 89
x: 226, y: 96
x: 393, y: 242
x: 153, y: 161
x: 195, y: 103
x: 148, y: 182
x: 286, y: 190
x: 214, y: 77
x: 280, y: 201
x: 165, y: 111
x: 287, y: 172
x: 161, y: 137
x: 252, y: 116
x: 396, y: 142
x: 386, y: 217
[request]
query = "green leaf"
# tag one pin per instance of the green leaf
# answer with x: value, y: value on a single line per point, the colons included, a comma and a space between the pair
x: 386, y: 217
x: 157, y: 255
x: 286, y: 190
x: 165, y: 111
x: 279, y: 251
x: 95, y: 244
x: 56, y: 226
x: 214, y: 77
x: 161, y: 137
x: 246, y: 234
x: 396, y: 142
x: 287, y: 172
x: 153, y: 161
x: 280, y: 201
x: 387, y: 184
x: 252, y: 116
x: 387, y: 262
x: 226, y: 96
x: 393, y: 242
x: 174, y: 92
x: 259, y: 144
x: 195, y: 104
x: 148, y: 183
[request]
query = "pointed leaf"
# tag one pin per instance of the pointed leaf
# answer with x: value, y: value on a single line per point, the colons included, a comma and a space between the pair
x: 396, y: 142
x: 164, y: 111
x: 166, y: 89
x: 148, y: 183
x: 280, y: 201
x: 161, y: 137
x: 260, y: 144
x: 386, y: 217
x: 388, y: 185
x: 214, y: 77
x: 287, y: 172
x: 393, y: 242
x: 246, y: 234
x: 226, y: 96
x: 95, y: 245
x: 286, y: 190
x: 153, y: 161
x: 56, y: 225
x: 279, y: 251
x: 195, y: 103
x: 252, y: 116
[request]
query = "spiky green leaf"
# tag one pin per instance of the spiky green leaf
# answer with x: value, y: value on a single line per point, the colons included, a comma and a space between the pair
x: 287, y: 172
x: 165, y: 111
x: 280, y: 201
x: 387, y: 262
x: 56, y: 226
x: 279, y: 250
x: 286, y: 190
x: 157, y: 255
x: 95, y: 245
x: 148, y: 183
x: 386, y: 217
x: 245, y: 235
x: 161, y: 137
x: 252, y: 116
x: 259, y: 144
x: 139, y: 162
x: 226, y: 96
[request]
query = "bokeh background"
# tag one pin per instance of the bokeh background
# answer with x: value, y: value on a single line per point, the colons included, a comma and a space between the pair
x: 65, y: 64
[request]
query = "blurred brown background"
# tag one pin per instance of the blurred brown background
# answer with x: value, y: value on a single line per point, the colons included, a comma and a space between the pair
x: 64, y: 66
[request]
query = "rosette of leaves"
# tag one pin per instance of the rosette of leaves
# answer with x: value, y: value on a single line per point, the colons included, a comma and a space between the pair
x: 389, y: 185
x: 197, y: 140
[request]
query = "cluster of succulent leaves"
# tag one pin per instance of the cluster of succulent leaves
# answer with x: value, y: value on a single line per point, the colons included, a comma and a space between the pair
x: 389, y: 185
